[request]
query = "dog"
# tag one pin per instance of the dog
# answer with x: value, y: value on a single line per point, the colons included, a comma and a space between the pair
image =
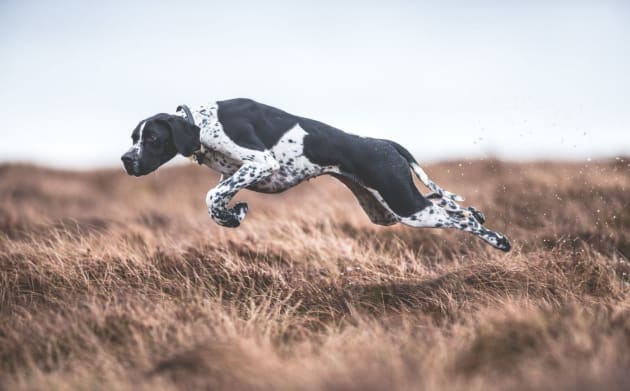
x: 261, y: 148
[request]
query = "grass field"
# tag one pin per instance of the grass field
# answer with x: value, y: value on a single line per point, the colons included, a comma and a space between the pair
x: 112, y: 282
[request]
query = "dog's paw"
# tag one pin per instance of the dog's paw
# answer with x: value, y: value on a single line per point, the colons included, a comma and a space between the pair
x: 477, y: 214
x: 230, y: 218
x: 503, y: 243
x: 240, y: 210
x: 495, y: 239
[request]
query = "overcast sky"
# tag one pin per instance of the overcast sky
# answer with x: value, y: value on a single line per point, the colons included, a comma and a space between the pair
x: 514, y: 79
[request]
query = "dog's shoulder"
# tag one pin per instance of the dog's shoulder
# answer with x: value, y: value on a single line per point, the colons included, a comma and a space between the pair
x: 241, y: 116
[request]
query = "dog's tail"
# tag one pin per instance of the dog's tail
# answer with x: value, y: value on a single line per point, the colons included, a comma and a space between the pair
x: 423, y: 175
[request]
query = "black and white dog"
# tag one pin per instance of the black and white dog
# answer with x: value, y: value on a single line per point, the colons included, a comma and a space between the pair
x: 261, y: 148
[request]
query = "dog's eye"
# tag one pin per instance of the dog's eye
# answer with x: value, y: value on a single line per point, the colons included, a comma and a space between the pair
x: 151, y: 139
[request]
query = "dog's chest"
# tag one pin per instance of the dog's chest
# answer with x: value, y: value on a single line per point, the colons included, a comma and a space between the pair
x: 221, y: 153
x: 221, y: 163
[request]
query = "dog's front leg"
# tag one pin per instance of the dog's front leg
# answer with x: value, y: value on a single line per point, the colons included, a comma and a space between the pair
x: 255, y: 168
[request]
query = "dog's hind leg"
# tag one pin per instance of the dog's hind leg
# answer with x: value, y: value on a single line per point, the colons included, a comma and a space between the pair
x: 371, y: 202
x: 435, y: 216
x: 424, y: 178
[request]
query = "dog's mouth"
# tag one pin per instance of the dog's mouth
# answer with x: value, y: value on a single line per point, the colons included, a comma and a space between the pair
x: 135, y: 168
x: 132, y: 168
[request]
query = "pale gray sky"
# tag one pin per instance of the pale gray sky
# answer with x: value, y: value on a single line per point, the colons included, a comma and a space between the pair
x: 448, y: 79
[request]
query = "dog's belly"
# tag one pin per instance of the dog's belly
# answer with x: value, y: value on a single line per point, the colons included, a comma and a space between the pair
x: 294, y: 166
x: 283, y: 179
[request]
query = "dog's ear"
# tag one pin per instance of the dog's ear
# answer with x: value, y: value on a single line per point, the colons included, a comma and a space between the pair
x: 185, y: 135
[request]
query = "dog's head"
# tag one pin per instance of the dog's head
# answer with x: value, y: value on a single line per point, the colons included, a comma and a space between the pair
x: 157, y: 140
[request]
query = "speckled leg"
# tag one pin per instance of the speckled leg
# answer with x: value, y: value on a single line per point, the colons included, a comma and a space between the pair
x: 452, y: 206
x: 436, y: 216
x: 218, y: 198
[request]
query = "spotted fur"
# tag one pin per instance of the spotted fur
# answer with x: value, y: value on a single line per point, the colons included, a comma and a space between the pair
x: 261, y: 148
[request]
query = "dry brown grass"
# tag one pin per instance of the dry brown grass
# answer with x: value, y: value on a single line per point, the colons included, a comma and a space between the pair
x: 111, y: 282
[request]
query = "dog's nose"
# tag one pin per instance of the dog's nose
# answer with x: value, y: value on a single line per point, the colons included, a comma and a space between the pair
x: 126, y: 159
x: 129, y: 162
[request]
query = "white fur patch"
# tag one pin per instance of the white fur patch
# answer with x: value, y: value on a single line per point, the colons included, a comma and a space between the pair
x: 142, y: 125
x: 138, y: 144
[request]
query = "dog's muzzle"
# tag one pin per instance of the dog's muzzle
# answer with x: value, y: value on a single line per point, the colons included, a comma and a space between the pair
x: 130, y: 161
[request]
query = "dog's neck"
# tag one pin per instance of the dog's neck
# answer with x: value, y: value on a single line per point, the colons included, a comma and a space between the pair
x: 207, y: 119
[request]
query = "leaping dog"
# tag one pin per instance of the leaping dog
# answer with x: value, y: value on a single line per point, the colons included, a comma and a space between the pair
x: 261, y: 148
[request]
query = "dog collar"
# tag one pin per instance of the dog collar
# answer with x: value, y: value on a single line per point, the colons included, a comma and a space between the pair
x: 187, y: 113
x: 196, y: 156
